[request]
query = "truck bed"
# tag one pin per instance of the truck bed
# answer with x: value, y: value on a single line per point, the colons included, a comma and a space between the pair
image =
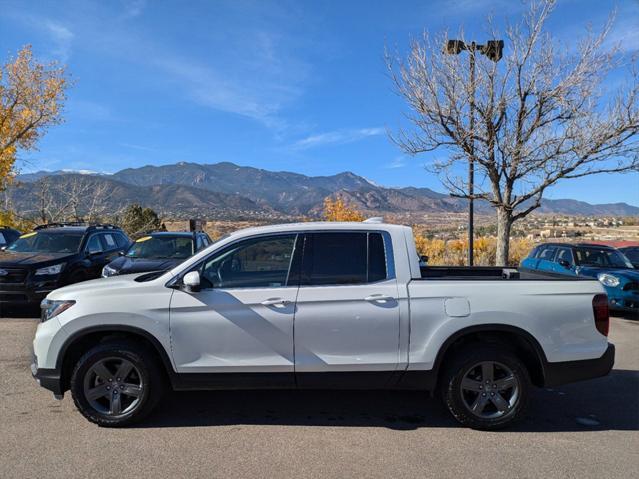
x: 492, y: 273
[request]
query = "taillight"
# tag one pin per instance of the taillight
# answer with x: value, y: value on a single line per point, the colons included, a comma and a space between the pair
x: 600, y: 309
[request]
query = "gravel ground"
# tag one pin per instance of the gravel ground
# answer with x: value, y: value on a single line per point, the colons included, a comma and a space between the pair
x: 588, y: 429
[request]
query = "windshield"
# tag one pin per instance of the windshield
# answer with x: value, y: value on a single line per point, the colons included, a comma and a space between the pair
x: 602, y: 258
x: 47, y: 242
x: 161, y: 247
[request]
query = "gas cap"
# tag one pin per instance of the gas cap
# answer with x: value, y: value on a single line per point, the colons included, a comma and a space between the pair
x: 457, y: 307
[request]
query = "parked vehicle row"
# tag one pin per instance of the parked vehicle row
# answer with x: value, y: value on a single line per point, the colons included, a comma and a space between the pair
x: 58, y: 254
x: 321, y: 305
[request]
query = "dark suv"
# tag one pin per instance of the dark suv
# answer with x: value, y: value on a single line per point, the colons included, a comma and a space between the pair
x: 55, y: 255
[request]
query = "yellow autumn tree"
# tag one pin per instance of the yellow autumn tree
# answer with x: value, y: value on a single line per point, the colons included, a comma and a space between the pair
x: 337, y: 210
x: 32, y: 95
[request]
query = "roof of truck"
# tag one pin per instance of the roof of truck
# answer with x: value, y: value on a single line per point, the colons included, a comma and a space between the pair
x: 315, y: 225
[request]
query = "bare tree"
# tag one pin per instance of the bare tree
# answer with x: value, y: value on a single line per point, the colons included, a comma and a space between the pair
x: 76, y: 198
x: 539, y: 116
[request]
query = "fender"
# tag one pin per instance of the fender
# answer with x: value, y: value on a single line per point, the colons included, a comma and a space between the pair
x: 166, y: 361
x: 427, y: 379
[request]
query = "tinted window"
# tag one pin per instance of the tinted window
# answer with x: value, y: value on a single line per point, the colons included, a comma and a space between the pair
x: 3, y: 240
x: 376, y: 257
x: 343, y: 258
x: 122, y: 240
x: 547, y: 253
x: 260, y: 262
x: 564, y: 254
x: 94, y: 244
x: 601, y: 257
x: 108, y: 242
x: 161, y: 247
x: 632, y: 254
x: 47, y: 242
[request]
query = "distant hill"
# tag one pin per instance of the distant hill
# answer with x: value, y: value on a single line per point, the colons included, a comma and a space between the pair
x: 240, y: 191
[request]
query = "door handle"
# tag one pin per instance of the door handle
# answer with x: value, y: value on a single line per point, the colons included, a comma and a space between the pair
x: 277, y: 302
x: 382, y: 298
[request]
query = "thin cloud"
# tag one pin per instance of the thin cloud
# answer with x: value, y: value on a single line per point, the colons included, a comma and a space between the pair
x: 133, y: 146
x: 133, y: 8
x: 399, y: 162
x: 336, y: 137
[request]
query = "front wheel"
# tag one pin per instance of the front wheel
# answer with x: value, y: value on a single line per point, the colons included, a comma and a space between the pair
x: 116, y: 383
x: 486, y: 387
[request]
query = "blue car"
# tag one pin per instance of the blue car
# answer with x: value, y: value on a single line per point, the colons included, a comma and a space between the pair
x: 611, y: 267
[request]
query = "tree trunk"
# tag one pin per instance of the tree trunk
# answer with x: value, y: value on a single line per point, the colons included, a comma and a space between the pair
x: 504, y: 223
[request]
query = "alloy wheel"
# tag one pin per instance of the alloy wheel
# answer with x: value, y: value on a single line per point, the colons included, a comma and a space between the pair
x: 490, y: 390
x: 113, y: 386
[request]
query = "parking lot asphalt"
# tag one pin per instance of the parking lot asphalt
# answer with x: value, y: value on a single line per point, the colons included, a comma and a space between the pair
x: 588, y: 429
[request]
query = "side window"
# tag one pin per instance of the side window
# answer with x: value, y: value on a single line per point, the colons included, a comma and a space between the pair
x: 121, y: 240
x: 3, y: 240
x: 564, y: 254
x: 376, y: 258
x: 343, y: 258
x: 108, y: 242
x: 94, y: 245
x: 547, y: 253
x: 256, y: 263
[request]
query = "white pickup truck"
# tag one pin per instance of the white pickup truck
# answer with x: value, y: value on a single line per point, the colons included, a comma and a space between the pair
x: 321, y: 305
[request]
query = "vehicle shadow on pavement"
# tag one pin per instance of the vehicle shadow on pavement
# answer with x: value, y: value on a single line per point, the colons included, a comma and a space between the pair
x: 609, y: 403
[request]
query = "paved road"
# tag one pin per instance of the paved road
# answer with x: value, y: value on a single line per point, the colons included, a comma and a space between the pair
x: 582, y: 430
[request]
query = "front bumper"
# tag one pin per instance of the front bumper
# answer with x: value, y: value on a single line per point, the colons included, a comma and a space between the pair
x: 556, y: 374
x: 50, y: 379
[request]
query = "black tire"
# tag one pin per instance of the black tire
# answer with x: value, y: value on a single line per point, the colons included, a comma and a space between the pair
x: 463, y: 387
x: 144, y: 375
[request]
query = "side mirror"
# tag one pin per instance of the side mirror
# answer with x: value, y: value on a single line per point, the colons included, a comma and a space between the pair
x: 191, y: 281
x: 121, y: 253
x: 564, y: 263
x: 424, y: 259
x: 94, y: 252
x: 2, y: 248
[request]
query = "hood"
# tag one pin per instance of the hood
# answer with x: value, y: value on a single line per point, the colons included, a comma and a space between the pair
x: 96, y: 286
x: 592, y: 271
x: 124, y: 265
x: 10, y: 258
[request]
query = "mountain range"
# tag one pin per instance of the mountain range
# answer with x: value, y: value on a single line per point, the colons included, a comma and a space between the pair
x: 226, y: 189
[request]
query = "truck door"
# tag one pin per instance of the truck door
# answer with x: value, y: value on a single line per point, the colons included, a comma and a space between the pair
x: 347, y: 313
x: 241, y: 320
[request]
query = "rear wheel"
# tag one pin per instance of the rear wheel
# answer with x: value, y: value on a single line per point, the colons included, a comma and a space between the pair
x: 116, y: 383
x: 486, y: 387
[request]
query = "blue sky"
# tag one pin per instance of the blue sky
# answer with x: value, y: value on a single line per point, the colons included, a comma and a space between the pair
x: 281, y: 85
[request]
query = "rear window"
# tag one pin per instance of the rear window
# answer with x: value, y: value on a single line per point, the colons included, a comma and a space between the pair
x: 343, y: 258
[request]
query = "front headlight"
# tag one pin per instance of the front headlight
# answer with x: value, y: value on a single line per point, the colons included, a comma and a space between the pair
x: 49, y: 270
x: 51, y: 308
x: 608, y: 280
x: 108, y: 271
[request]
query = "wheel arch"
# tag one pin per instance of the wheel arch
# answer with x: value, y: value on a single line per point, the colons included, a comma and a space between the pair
x: 519, y: 340
x: 81, y: 341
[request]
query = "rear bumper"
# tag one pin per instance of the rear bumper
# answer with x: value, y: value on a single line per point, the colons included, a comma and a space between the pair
x: 556, y: 374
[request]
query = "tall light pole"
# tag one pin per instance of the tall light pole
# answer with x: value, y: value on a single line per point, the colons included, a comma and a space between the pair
x: 492, y: 49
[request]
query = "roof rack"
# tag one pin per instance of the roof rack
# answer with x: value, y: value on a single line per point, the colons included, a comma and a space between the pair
x: 374, y: 219
x: 76, y: 223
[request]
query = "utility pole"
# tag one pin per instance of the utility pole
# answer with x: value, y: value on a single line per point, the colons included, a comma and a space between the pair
x: 493, y: 50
